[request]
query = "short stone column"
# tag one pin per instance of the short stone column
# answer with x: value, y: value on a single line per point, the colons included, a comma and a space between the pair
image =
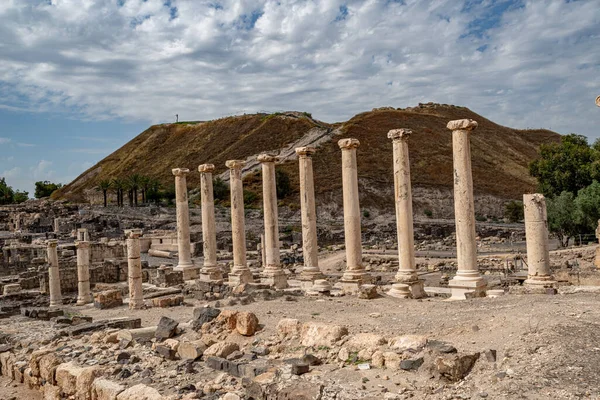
x: 467, y: 279
x: 183, y: 226
x: 84, y: 294
x: 83, y: 235
x: 210, y: 271
x: 240, y: 273
x: 355, y: 274
x: 134, y: 269
x: 536, y: 234
x: 54, y: 274
x: 408, y: 284
x: 310, y: 247
x: 273, y: 273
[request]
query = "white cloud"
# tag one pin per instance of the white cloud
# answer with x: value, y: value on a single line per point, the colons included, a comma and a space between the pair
x: 11, y: 173
x: 42, y: 171
x: 521, y: 63
x: 4, y: 140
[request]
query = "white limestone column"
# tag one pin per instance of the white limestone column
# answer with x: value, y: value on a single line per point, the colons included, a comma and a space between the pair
x: 210, y: 271
x: 183, y: 226
x: 467, y: 277
x: 84, y: 294
x: 310, y: 247
x: 134, y: 268
x: 240, y: 273
x: 54, y: 274
x: 408, y: 284
x: 273, y: 273
x: 355, y: 274
x: 536, y: 234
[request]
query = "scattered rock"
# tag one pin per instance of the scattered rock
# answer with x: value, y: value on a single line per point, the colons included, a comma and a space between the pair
x: 367, y: 292
x: 166, y: 328
x: 412, y: 343
x: 246, y: 323
x: 221, y: 349
x: 319, y: 334
x: 454, y: 367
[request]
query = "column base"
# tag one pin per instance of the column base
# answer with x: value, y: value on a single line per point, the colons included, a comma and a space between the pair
x: 189, y: 271
x: 352, y: 280
x: 539, y: 284
x: 320, y: 287
x: 55, y: 303
x: 211, y: 275
x: 136, y: 305
x: 463, y: 288
x: 276, y: 279
x: 311, y: 275
x: 408, y: 290
x: 81, y: 301
x: 240, y: 277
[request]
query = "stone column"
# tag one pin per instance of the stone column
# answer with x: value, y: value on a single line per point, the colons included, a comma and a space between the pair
x: 467, y: 277
x: 134, y: 269
x: 83, y: 235
x: 54, y: 274
x: 183, y: 226
x: 240, y: 273
x: 408, y: 284
x: 56, y: 225
x: 536, y: 234
x: 273, y: 273
x: 84, y: 295
x: 310, y: 248
x: 210, y: 271
x: 355, y: 274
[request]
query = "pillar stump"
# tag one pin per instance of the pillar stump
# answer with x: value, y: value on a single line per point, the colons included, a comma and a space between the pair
x: 536, y: 235
x: 467, y: 279
x: 240, y: 273
x: 134, y: 268
x: 355, y: 273
x: 54, y: 274
x: 310, y: 247
x: 210, y: 271
x: 185, y: 264
x: 272, y: 273
x: 84, y: 294
x: 408, y: 284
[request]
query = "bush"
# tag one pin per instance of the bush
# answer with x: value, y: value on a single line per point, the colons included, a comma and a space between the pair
x: 220, y: 189
x: 45, y: 188
x: 282, y: 180
x: 513, y: 211
x: 481, y: 218
x: 428, y: 213
x: 250, y: 197
x: 366, y: 213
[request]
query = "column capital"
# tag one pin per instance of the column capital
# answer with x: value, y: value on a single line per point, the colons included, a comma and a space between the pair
x: 462, y: 125
x: 348, y: 143
x: 235, y: 164
x: 598, y: 101
x: 305, y: 151
x: 206, y: 168
x: 267, y: 158
x: 180, y: 171
x: 133, y: 233
x: 52, y: 243
x: 82, y: 244
x: 399, y: 134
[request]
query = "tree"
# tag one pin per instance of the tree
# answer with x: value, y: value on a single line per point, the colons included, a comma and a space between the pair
x: 153, y: 191
x: 569, y: 165
x: 282, y: 180
x: 562, y: 217
x: 588, y: 207
x: 20, y: 197
x: 144, y: 185
x: 513, y: 211
x: 134, y: 182
x: 6, y: 192
x: 220, y: 189
x: 104, y: 185
x: 45, y: 188
x: 118, y: 186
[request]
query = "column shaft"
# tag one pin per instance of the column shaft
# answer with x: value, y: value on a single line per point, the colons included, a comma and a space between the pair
x: 536, y: 234
x: 355, y: 272
x: 84, y: 294
x: 210, y: 270
x: 54, y: 274
x: 310, y: 248
x: 134, y: 265
x: 183, y: 225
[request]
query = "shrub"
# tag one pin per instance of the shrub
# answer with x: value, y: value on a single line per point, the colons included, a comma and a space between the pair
x: 428, y: 213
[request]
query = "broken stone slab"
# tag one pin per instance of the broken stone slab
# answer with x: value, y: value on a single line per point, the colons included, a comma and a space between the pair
x: 145, y: 333
x: 441, y: 347
x: 140, y: 392
x: 162, y: 292
x: 165, y: 302
x: 221, y: 349
x: 103, y: 389
x: 191, y: 350
x: 367, y: 291
x: 454, y: 367
x: 117, y: 323
x: 166, y: 328
x: 412, y: 343
x: 74, y: 380
x: 166, y: 352
x: 203, y: 315
x: 108, y: 299
x: 320, y: 334
x: 411, y: 364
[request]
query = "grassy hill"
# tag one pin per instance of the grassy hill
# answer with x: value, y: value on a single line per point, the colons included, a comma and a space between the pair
x: 500, y: 155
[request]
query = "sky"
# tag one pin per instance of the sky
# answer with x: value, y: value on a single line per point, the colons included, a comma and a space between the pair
x: 80, y: 78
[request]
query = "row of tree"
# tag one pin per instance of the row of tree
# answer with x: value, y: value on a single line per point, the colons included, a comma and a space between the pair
x: 10, y: 196
x: 568, y: 173
x: 150, y: 189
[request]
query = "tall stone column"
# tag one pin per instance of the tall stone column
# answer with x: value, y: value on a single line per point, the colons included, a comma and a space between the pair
x: 134, y: 269
x: 536, y: 234
x: 408, y: 284
x: 210, y: 271
x: 310, y: 247
x: 273, y: 273
x: 54, y: 274
x: 467, y: 277
x: 84, y: 294
x: 240, y: 273
x: 355, y: 274
x: 183, y: 226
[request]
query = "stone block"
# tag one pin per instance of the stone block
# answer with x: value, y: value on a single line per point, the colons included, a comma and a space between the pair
x: 320, y: 334
x: 165, y: 302
x: 11, y: 288
x: 289, y: 327
x: 367, y: 291
x: 48, y: 364
x: 412, y: 343
x: 191, y: 350
x: 166, y: 328
x: 140, y: 392
x: 221, y: 349
x: 108, y: 299
x: 103, y: 389
x: 454, y: 367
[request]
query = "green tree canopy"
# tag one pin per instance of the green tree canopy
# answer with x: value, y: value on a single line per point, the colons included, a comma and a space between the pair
x: 45, y: 188
x: 563, y: 217
x: 10, y: 196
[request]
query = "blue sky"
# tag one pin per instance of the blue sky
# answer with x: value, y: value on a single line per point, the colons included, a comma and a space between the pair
x: 79, y: 78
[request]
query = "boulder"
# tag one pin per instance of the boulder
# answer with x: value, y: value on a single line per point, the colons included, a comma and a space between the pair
x: 392, y: 360
x: 74, y: 380
x: 228, y: 319
x: 367, y: 292
x: 246, y: 323
x: 221, y: 349
x: 454, y: 367
x: 203, y: 315
x: 412, y: 343
x: 362, y: 341
x: 320, y: 334
x: 103, y: 389
x: 289, y: 327
x: 140, y: 392
x: 191, y: 350
x: 166, y: 328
